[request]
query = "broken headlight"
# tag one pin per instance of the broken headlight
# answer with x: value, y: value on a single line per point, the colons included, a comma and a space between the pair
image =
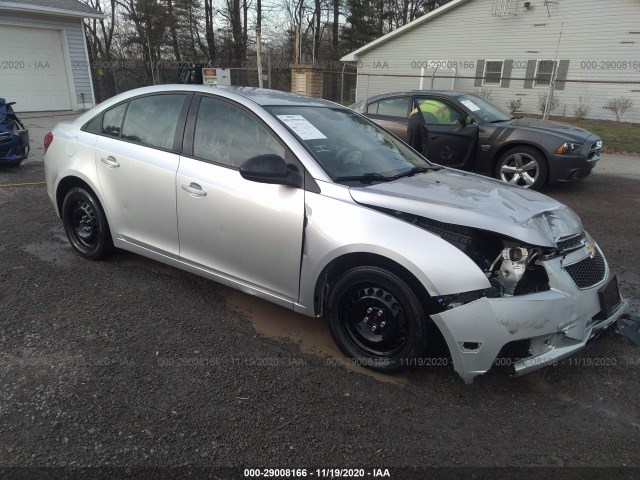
x: 517, y: 270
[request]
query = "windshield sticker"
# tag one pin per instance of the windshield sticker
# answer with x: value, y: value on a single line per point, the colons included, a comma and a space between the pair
x: 301, y: 127
x: 470, y: 105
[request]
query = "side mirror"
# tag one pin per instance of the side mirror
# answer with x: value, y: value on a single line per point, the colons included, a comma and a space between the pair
x: 468, y: 120
x: 270, y: 169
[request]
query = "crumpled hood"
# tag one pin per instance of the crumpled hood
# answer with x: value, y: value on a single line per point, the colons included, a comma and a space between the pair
x: 563, y: 130
x: 460, y: 198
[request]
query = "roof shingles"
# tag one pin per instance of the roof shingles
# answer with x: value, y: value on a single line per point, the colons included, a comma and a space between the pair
x: 71, y: 6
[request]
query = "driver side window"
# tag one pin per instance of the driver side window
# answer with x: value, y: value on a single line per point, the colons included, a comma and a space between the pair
x: 437, y: 112
x: 228, y: 135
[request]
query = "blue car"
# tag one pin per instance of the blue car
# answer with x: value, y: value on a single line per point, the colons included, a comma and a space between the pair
x: 14, y: 138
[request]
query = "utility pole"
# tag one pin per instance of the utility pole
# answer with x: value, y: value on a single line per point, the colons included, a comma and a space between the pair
x: 259, y: 55
x: 269, y: 67
x: 153, y: 78
x: 552, y: 81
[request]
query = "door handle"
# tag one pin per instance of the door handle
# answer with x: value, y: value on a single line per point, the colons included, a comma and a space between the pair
x: 194, y: 190
x: 435, y: 137
x: 110, y: 162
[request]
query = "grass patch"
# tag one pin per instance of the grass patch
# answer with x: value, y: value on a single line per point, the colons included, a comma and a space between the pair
x: 616, y: 137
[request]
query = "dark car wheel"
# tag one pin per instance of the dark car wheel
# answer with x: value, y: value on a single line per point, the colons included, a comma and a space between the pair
x: 12, y: 163
x: 376, y: 319
x: 524, y: 166
x: 85, y: 224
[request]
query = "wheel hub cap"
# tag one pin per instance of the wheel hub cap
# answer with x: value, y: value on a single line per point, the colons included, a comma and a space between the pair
x: 84, y: 223
x: 520, y: 169
x: 374, y: 321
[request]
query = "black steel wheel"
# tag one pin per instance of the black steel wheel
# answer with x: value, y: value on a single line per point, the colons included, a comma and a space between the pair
x: 376, y: 319
x: 85, y: 224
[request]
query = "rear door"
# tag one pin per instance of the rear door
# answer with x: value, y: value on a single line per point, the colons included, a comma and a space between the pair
x: 248, y: 232
x: 137, y: 160
x: 451, y: 142
x: 391, y: 114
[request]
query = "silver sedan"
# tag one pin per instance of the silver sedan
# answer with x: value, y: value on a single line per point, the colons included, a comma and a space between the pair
x: 314, y: 207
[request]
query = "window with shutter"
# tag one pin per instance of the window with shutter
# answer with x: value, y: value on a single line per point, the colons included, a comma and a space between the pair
x: 492, y: 72
x: 544, y: 72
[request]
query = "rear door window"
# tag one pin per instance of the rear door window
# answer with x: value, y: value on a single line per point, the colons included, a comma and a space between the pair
x: 152, y: 120
x: 394, y: 107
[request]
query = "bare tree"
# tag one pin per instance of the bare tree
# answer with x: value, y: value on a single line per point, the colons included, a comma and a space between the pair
x: 619, y: 106
x: 148, y: 19
x: 209, y: 14
x: 100, y: 35
x: 171, y: 20
x: 581, y: 109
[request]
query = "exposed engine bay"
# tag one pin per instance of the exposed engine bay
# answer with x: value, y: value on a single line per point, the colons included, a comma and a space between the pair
x: 511, y: 267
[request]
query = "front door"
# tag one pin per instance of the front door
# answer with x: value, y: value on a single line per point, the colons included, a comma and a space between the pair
x: 450, y: 141
x: 248, y: 232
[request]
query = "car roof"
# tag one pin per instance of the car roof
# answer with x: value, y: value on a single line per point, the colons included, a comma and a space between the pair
x: 261, y: 96
x: 444, y: 93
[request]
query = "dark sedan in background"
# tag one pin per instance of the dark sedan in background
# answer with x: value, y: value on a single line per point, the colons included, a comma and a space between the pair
x: 465, y: 131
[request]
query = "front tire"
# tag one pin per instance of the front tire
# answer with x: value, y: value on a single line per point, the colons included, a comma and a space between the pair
x: 523, y: 166
x: 86, y: 224
x: 376, y: 319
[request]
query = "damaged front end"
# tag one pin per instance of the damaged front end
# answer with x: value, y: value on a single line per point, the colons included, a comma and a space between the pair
x: 546, y: 301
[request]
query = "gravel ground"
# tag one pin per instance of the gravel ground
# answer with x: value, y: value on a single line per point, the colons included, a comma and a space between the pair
x: 127, y: 362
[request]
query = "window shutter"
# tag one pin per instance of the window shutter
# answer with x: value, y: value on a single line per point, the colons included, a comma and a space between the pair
x: 507, y: 68
x: 479, y: 73
x: 563, y: 69
x: 531, y: 72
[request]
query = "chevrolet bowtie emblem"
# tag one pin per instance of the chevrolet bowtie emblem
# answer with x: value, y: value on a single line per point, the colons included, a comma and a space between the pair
x: 591, y: 249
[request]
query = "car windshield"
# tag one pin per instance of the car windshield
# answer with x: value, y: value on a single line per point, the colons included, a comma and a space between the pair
x: 483, y: 110
x: 348, y: 146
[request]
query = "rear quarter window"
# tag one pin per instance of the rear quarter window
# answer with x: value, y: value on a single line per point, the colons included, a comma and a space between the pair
x: 94, y: 126
x: 112, y: 120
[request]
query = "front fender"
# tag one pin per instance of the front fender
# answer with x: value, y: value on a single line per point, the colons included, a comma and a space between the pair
x: 336, y: 227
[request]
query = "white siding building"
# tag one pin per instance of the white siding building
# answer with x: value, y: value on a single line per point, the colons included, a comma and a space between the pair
x: 43, y: 55
x: 507, y: 50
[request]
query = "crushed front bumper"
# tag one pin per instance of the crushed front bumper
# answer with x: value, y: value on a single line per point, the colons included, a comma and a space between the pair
x: 557, y: 322
x: 14, y: 145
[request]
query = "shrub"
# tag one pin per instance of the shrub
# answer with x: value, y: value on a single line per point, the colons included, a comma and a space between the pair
x: 581, y: 109
x: 542, y: 103
x: 619, y: 106
x: 514, y: 106
x: 483, y: 92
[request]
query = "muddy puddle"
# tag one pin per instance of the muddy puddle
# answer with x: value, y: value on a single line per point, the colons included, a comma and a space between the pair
x: 311, y: 334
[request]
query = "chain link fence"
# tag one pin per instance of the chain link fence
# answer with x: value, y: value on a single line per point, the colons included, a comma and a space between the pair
x: 120, y: 75
x: 573, y: 99
x: 570, y: 98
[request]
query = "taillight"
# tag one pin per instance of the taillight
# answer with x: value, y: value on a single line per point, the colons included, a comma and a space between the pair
x: 48, y: 138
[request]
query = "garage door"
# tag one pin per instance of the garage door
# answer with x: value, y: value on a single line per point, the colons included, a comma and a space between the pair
x: 32, y: 69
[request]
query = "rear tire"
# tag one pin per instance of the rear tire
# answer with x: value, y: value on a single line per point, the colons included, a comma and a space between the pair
x: 11, y: 164
x: 524, y: 166
x: 376, y: 319
x: 86, y: 224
